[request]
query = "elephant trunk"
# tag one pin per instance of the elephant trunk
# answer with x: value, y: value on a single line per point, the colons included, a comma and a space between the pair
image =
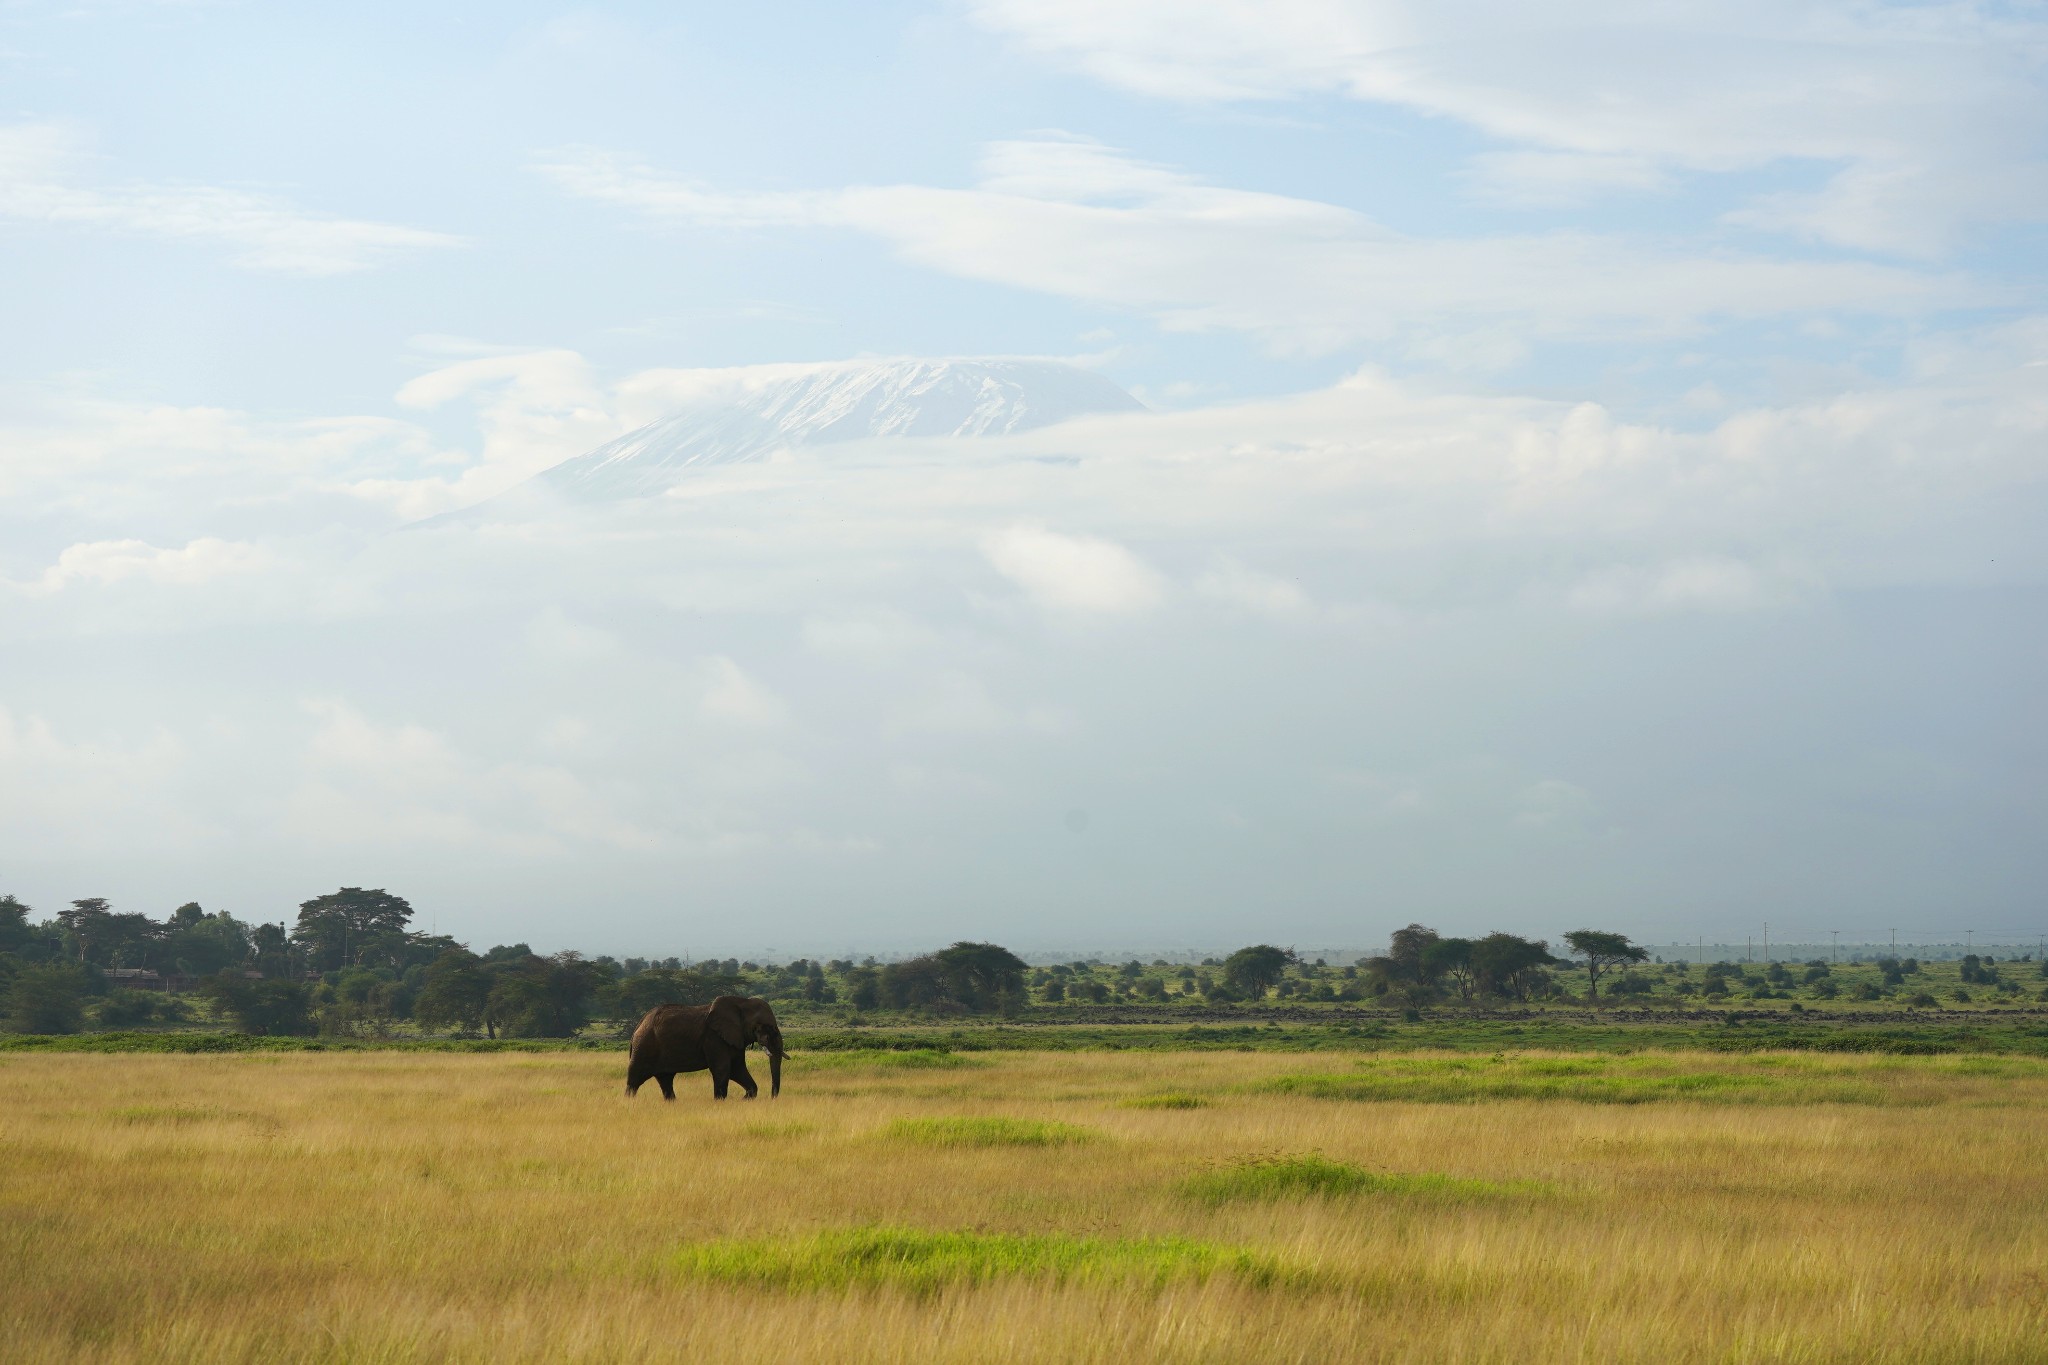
x: 774, y: 1072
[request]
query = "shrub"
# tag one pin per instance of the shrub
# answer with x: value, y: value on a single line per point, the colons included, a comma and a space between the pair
x: 46, y: 1000
x: 122, y: 1009
x: 1924, y: 1001
x: 268, y: 1007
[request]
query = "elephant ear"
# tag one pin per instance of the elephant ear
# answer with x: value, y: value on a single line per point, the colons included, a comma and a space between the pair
x: 727, y: 1022
x: 760, y: 1020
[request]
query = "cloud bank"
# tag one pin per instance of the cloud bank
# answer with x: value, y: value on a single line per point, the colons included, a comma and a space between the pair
x: 1358, y: 634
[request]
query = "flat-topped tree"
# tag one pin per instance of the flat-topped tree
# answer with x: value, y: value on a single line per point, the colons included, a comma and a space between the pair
x: 339, y: 928
x: 1601, y: 951
x: 1257, y: 969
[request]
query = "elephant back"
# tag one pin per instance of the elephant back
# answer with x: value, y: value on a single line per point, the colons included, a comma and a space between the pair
x: 672, y: 1037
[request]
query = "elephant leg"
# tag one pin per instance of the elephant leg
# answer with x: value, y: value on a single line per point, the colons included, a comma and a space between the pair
x: 721, y: 1076
x: 744, y: 1077
x: 667, y: 1081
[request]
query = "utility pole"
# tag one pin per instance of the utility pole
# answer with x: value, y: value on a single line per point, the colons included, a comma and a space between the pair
x: 1767, y: 943
x: 1969, y: 940
x: 1895, y: 943
x: 1749, y: 947
x: 1834, y: 945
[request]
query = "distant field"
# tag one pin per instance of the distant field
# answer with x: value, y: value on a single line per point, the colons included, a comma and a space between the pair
x: 1097, y: 1205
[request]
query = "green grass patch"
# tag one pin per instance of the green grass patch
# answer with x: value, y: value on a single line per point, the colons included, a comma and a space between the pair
x: 1174, y: 1100
x: 924, y: 1262
x: 779, y: 1130
x: 987, y: 1132
x: 1591, y: 1079
x: 1313, y: 1176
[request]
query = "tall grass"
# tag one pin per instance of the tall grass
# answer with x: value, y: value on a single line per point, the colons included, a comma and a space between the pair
x: 921, y: 1261
x: 1596, y: 1080
x: 1310, y: 1174
x: 987, y: 1132
x: 399, y: 1207
x: 883, y: 1059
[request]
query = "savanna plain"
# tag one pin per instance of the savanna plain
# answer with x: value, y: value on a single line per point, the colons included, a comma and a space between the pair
x: 1027, y: 1206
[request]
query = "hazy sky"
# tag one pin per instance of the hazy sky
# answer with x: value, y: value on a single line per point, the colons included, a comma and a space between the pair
x: 1595, y: 469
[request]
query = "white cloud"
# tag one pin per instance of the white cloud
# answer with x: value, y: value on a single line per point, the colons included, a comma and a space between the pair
x: 1712, y: 584
x: 1554, y: 806
x: 1927, y: 116
x: 1079, y: 574
x: 731, y: 697
x: 116, y: 561
x: 366, y: 785
x: 553, y: 634
x: 59, y: 793
x: 42, y: 179
x: 535, y: 409
x: 1249, y: 590
x: 805, y: 656
x: 957, y: 703
x: 1073, y: 218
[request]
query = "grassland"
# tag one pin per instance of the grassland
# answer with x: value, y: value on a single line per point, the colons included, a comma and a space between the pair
x: 1210, y: 1205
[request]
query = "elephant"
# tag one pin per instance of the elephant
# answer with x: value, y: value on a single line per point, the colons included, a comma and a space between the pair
x: 712, y: 1037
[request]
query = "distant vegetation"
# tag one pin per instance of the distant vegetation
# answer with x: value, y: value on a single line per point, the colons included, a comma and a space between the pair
x: 352, y: 966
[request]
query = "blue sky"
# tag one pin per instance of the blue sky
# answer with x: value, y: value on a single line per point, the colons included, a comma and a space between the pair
x: 1677, y: 370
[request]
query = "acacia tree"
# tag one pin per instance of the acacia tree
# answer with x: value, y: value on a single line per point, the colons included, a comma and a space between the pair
x: 107, y: 939
x: 540, y: 997
x: 1255, y: 970
x: 974, y: 977
x: 1508, y: 965
x: 1451, y: 958
x: 1601, y: 951
x: 340, y: 928
x: 1406, y: 968
x: 453, y: 994
x: 15, y: 933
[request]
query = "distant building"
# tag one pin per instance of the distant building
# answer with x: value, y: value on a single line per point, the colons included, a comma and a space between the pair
x: 149, y: 979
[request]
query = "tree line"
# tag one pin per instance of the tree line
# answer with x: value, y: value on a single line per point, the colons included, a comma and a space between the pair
x: 353, y: 964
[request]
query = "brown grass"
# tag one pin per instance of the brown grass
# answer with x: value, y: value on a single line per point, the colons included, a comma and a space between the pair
x: 384, y: 1207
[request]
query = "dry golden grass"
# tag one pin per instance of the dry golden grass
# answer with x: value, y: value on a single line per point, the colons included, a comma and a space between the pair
x: 397, y: 1207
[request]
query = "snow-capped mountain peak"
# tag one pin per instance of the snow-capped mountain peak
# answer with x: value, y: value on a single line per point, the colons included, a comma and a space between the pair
x: 750, y: 414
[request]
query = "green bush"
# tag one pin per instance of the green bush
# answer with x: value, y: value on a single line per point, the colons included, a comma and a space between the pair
x: 46, y: 1000
x: 269, y: 1008
x: 122, y: 1009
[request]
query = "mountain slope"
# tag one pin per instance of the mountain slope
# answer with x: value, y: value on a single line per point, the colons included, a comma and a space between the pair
x: 783, y: 407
